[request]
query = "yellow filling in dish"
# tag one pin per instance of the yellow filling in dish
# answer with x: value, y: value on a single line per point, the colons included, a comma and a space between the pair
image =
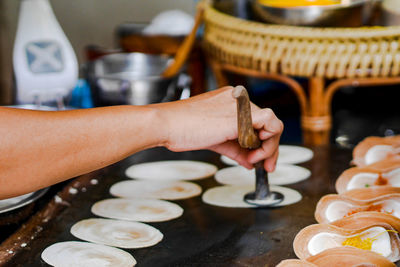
x: 358, y: 242
x: 362, y: 243
x: 298, y: 3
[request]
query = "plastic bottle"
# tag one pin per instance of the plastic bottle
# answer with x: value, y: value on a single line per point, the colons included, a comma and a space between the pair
x: 45, y: 65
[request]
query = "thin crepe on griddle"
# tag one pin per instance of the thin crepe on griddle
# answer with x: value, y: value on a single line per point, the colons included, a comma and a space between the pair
x: 309, y: 240
x: 232, y: 196
x: 296, y: 263
x: 141, y: 210
x: 341, y: 256
x: 366, y: 218
x: 375, y: 175
x: 168, y: 190
x: 371, y: 192
x: 335, y: 207
x: 83, y: 254
x: 364, y: 147
x: 284, y: 174
x: 116, y: 233
x: 171, y: 170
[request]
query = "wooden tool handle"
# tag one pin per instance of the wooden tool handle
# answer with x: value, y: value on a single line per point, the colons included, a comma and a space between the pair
x: 186, y: 47
x: 247, y: 137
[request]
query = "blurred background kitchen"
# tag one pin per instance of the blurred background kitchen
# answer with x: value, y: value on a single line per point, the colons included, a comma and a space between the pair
x: 88, y: 22
x: 95, y: 28
x: 330, y: 70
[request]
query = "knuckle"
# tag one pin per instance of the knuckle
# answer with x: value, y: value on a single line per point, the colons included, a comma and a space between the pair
x: 281, y: 125
x: 227, y: 88
x: 268, y: 113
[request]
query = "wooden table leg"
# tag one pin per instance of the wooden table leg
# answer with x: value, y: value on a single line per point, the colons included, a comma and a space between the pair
x: 220, y: 76
x: 196, y: 69
x: 316, y: 118
x: 316, y: 123
x: 307, y: 121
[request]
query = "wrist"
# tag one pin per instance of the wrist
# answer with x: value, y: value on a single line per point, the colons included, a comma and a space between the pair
x: 159, y: 122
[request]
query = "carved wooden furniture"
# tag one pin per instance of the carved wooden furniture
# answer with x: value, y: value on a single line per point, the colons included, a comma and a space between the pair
x: 330, y: 58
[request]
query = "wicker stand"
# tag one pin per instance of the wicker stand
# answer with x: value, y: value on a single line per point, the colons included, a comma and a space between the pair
x: 367, y: 56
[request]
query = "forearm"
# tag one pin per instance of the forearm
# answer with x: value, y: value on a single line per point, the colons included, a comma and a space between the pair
x: 38, y: 149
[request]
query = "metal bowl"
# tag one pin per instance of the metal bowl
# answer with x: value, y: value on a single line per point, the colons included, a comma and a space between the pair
x: 41, y: 107
x: 350, y: 13
x: 34, y: 107
x: 237, y: 8
x: 131, y: 78
x: 9, y: 204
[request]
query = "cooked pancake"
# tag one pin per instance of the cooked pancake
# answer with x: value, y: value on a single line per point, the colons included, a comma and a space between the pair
x: 171, y: 170
x: 141, y: 210
x: 283, y: 174
x: 334, y: 207
x: 377, y: 236
x: 122, y: 234
x: 169, y: 190
x: 231, y: 196
x: 341, y: 256
x: 83, y: 254
x: 287, y: 155
x: 294, y: 154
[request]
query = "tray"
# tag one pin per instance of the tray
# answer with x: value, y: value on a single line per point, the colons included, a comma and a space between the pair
x: 14, y: 203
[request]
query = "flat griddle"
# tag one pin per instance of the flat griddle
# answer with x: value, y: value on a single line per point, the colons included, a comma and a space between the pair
x: 204, y: 236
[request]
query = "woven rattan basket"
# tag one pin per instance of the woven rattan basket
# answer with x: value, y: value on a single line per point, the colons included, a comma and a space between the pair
x: 302, y: 51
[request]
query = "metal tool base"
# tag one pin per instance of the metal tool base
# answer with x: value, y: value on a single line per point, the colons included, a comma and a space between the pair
x: 271, y: 200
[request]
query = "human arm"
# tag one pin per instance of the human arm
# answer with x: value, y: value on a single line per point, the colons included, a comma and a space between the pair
x: 38, y: 149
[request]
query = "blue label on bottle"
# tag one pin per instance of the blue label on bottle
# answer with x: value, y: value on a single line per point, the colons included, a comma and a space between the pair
x: 44, y: 57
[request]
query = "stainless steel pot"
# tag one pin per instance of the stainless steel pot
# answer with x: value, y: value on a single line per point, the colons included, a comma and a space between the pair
x: 236, y: 8
x: 132, y: 78
x: 351, y: 13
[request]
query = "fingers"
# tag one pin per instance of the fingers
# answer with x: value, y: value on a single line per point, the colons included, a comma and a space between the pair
x: 270, y: 163
x: 268, y: 152
x: 264, y: 135
x: 234, y: 151
x: 270, y: 129
x: 265, y: 119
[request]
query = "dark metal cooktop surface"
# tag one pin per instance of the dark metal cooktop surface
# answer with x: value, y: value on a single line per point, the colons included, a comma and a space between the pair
x: 205, y: 235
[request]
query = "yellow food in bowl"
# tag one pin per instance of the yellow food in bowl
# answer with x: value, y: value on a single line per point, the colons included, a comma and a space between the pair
x: 298, y: 3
